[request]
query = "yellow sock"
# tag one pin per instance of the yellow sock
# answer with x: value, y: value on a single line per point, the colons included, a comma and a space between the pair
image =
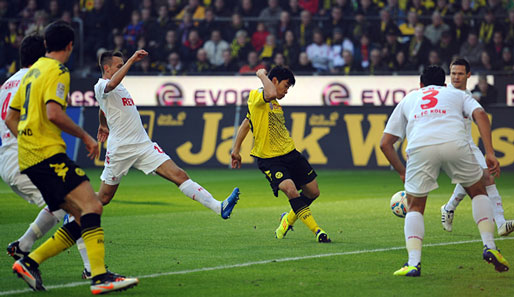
x: 94, y: 241
x: 291, y: 217
x: 59, y: 242
x: 305, y: 215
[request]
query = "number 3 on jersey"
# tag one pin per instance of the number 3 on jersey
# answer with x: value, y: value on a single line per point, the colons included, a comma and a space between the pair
x: 431, y: 98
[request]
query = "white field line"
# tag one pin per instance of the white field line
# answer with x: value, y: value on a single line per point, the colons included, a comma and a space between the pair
x: 221, y: 267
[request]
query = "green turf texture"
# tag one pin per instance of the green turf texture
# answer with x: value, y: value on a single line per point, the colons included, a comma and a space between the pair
x: 152, y: 228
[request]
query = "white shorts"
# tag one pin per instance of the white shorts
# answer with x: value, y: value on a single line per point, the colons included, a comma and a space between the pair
x: 456, y: 158
x: 479, y: 156
x: 19, y: 183
x: 146, y: 157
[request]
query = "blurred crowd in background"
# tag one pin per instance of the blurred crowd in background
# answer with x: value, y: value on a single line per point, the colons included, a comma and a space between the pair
x: 340, y: 37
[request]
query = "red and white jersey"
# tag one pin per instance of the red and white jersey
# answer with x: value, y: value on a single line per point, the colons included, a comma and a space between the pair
x: 432, y: 115
x: 7, y: 92
x: 467, y: 121
x: 125, y: 126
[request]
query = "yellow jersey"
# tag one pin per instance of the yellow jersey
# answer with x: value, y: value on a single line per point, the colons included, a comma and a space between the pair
x: 271, y: 138
x: 38, y: 138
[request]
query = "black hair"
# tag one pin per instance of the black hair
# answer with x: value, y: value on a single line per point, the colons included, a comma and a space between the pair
x: 58, y: 35
x: 462, y: 62
x: 282, y: 73
x: 106, y: 58
x: 32, y: 48
x: 433, y: 75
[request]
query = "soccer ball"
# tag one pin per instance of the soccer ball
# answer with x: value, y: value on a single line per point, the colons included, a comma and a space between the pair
x: 399, y: 204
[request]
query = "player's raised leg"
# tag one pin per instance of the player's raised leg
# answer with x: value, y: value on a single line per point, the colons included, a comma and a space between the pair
x: 302, y: 210
x: 193, y: 190
x: 309, y: 193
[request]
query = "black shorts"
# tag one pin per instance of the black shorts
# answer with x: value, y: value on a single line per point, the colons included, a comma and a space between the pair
x: 55, y: 177
x: 292, y: 165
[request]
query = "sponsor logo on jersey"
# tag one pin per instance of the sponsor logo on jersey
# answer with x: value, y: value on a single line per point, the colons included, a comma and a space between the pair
x: 127, y: 101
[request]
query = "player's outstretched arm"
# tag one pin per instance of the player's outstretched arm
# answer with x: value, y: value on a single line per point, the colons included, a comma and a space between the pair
x: 56, y: 115
x: 120, y: 74
x: 387, y: 146
x: 103, y: 128
x: 270, y: 92
x: 241, y: 135
x: 12, y: 120
x: 484, y: 127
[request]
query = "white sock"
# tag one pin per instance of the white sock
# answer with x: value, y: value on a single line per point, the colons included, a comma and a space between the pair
x: 458, y: 194
x: 483, y: 216
x: 59, y: 214
x: 496, y: 203
x: 81, y: 246
x: 414, y: 232
x: 43, y: 223
x: 196, y: 192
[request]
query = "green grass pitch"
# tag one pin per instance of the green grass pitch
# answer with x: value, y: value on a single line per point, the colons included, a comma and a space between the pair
x: 179, y: 248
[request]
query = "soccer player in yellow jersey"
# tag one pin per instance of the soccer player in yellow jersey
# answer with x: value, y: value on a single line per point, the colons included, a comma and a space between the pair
x: 37, y: 117
x: 285, y: 168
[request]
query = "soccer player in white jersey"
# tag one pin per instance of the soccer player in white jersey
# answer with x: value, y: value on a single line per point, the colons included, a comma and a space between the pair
x: 460, y: 71
x: 31, y: 49
x: 128, y: 144
x: 431, y: 120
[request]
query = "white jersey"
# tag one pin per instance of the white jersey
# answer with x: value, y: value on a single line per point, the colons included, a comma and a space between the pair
x: 432, y: 115
x: 7, y: 92
x: 467, y: 120
x: 125, y: 126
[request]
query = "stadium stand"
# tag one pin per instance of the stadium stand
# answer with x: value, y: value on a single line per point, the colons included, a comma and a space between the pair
x: 363, y: 36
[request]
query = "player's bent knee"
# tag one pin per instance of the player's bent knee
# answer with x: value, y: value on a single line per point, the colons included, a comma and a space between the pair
x: 476, y: 189
x: 95, y: 206
x: 105, y: 198
x: 181, y: 176
x: 487, y: 178
x: 314, y: 195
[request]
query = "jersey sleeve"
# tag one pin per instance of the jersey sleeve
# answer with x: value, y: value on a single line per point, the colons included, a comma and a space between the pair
x: 17, y: 101
x: 100, y: 89
x: 255, y: 99
x: 469, y: 105
x: 397, y: 122
x: 58, y: 86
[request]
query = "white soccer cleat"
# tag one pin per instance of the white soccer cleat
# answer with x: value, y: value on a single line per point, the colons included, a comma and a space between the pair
x: 446, y: 218
x: 111, y: 282
x: 506, y: 228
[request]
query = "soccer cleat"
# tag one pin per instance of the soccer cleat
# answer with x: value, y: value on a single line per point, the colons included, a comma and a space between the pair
x: 228, y: 204
x: 494, y: 257
x: 29, y: 274
x: 446, y: 218
x: 13, y: 250
x: 506, y: 228
x: 284, y: 227
x: 407, y: 270
x: 111, y: 282
x: 322, y: 236
x: 86, y: 274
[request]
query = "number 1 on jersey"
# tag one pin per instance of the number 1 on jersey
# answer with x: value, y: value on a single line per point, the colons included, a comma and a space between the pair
x: 431, y: 98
